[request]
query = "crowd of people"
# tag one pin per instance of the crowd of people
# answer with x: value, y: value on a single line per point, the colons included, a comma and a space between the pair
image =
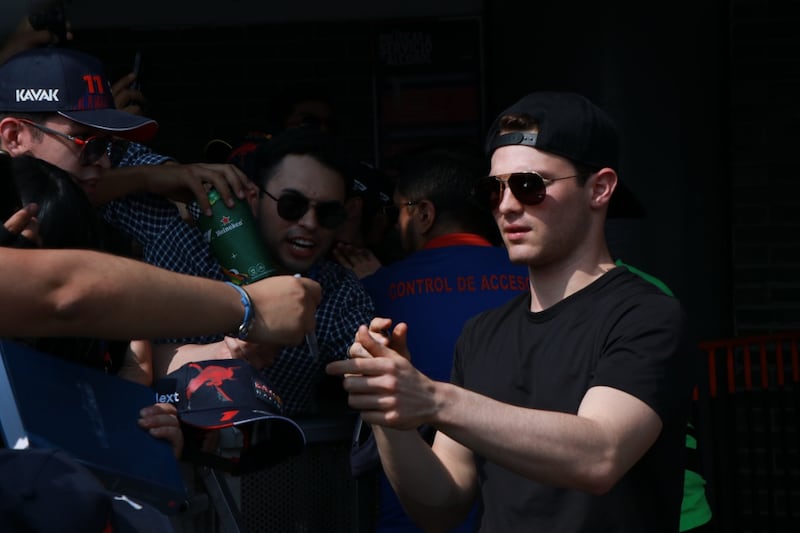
x: 508, y: 372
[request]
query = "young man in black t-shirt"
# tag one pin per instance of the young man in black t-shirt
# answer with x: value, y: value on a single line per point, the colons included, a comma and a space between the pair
x: 567, y: 407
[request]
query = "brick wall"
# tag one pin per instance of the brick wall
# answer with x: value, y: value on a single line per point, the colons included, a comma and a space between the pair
x: 765, y: 177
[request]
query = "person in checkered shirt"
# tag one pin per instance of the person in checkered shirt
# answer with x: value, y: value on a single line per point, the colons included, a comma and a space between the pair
x: 301, y: 184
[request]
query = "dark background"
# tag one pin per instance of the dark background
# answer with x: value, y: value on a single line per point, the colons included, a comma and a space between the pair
x: 706, y: 98
x: 704, y: 94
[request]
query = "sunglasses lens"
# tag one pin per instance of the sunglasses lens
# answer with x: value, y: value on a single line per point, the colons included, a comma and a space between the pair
x: 94, y: 150
x: 487, y: 192
x: 527, y: 187
x: 330, y: 215
x: 292, y: 207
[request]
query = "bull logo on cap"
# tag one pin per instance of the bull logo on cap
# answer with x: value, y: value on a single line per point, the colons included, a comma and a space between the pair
x: 211, y: 376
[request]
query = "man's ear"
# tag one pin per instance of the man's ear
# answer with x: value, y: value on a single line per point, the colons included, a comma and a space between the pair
x: 425, y: 213
x: 601, y: 186
x: 252, y: 196
x: 11, y: 138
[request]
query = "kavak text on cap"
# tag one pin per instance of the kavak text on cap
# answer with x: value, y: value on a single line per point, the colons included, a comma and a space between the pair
x: 71, y: 84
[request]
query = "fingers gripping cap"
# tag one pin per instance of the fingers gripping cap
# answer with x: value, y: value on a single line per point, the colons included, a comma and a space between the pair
x: 568, y: 125
x: 71, y: 84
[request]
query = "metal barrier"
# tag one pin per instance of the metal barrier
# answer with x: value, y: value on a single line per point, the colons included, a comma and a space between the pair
x: 752, y: 408
x: 314, y: 491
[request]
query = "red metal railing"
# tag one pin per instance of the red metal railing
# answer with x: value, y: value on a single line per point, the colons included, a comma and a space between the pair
x: 764, y: 346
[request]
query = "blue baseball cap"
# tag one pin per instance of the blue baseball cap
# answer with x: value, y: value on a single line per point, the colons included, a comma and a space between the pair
x: 69, y: 83
x: 47, y: 490
x: 224, y: 393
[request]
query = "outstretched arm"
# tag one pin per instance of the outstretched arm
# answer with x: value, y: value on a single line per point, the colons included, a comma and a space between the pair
x: 84, y: 293
x: 170, y: 357
x: 179, y: 182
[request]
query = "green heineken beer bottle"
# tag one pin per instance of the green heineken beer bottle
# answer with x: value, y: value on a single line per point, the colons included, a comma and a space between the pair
x: 235, y: 241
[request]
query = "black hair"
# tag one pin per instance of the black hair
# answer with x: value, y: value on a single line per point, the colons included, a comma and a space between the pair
x: 306, y: 140
x: 445, y: 176
x: 67, y: 218
x: 372, y: 185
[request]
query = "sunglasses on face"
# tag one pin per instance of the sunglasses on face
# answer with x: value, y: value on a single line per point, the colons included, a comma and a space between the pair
x: 92, y: 148
x: 292, y: 206
x: 529, y: 188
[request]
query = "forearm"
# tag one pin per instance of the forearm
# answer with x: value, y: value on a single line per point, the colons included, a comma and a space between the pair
x: 137, y: 365
x: 170, y: 357
x: 121, y: 181
x: 429, y: 492
x: 587, y: 451
x: 70, y: 292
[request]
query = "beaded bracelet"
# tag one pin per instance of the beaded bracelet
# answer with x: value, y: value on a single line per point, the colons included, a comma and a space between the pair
x: 247, y: 321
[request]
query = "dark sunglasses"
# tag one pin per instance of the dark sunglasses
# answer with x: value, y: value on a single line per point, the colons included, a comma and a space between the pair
x: 292, y: 206
x: 529, y: 188
x: 92, y: 149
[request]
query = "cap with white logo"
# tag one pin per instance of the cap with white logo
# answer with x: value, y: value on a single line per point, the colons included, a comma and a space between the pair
x: 71, y: 84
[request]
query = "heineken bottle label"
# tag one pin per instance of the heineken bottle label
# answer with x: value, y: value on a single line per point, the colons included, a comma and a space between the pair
x: 235, y: 241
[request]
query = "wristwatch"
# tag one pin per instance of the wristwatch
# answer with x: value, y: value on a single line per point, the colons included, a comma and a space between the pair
x: 247, y: 321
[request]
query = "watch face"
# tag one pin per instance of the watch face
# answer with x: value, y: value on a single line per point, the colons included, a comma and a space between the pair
x: 247, y: 320
x: 244, y: 330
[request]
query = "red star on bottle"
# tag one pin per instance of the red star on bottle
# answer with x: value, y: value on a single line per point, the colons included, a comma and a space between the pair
x: 226, y: 219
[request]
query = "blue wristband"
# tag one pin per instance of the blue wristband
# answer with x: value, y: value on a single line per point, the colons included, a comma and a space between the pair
x: 247, y: 321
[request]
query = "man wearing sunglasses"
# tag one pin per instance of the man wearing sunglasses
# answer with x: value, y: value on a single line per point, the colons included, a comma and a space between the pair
x: 52, y: 287
x: 56, y: 105
x: 567, y: 406
x: 452, y: 272
x: 301, y: 184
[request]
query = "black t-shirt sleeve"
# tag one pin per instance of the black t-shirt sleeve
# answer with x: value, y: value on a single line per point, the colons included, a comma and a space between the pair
x: 646, y: 354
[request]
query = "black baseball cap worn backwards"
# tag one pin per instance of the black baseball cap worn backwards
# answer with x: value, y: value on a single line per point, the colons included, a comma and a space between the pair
x: 69, y: 83
x: 569, y: 125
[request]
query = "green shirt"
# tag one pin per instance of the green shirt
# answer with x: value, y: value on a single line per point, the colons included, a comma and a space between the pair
x: 695, y: 510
